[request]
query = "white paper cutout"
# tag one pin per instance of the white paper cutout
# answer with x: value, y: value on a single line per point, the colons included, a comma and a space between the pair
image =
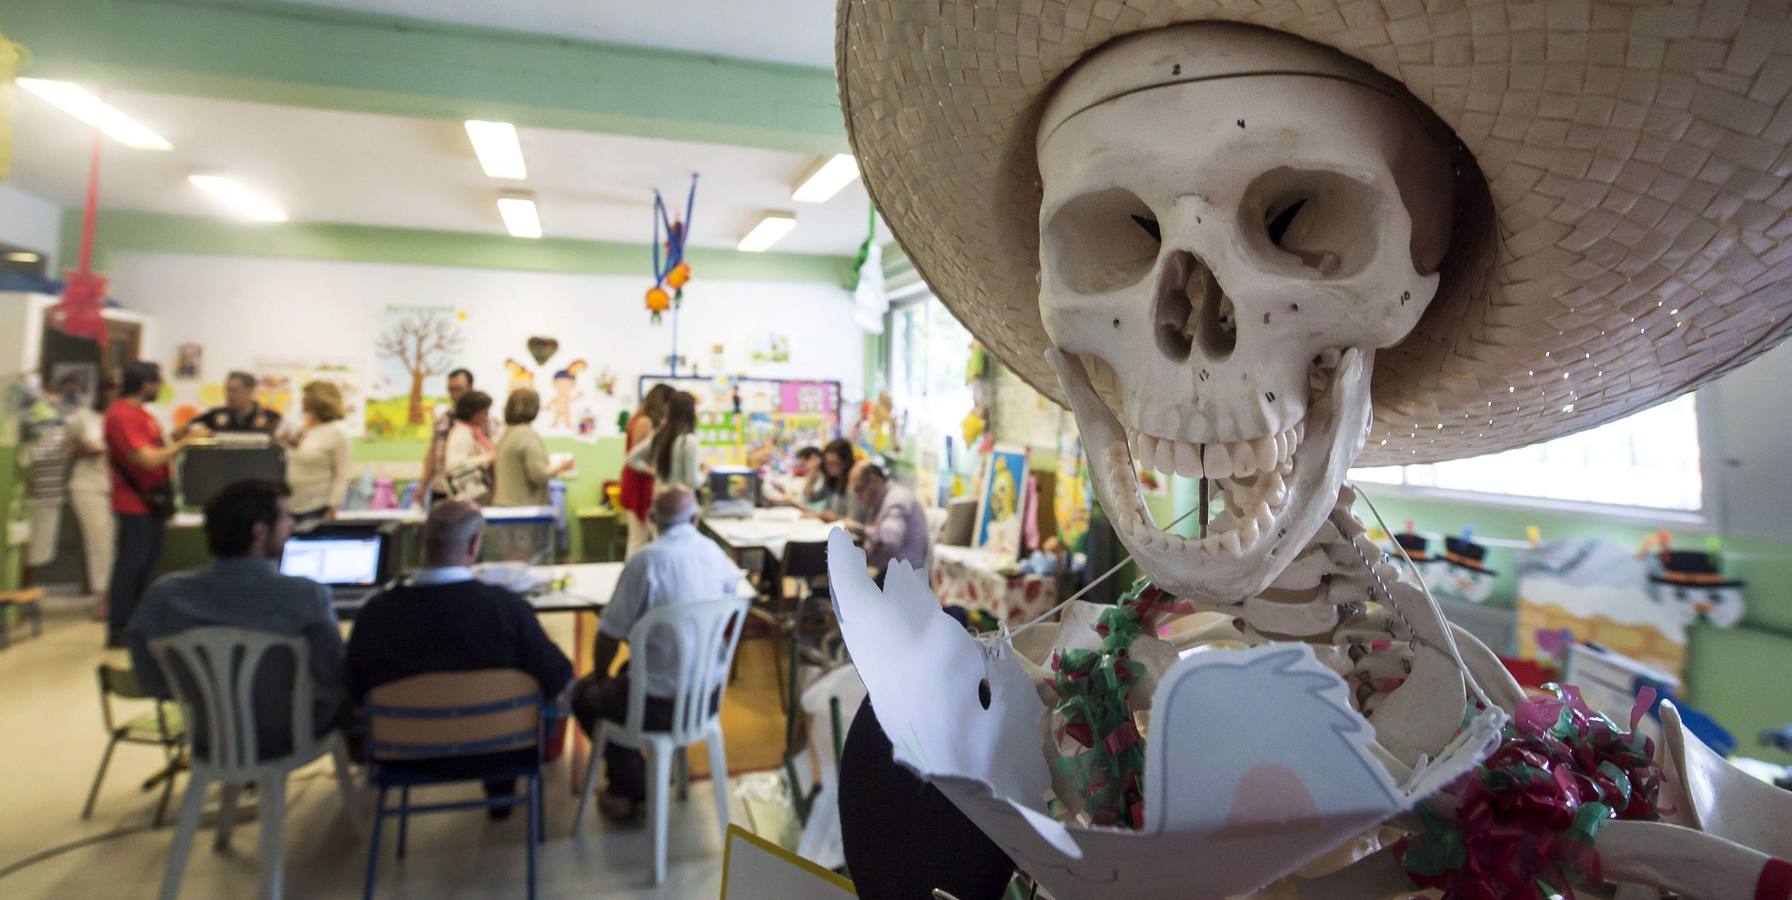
x: 1216, y: 717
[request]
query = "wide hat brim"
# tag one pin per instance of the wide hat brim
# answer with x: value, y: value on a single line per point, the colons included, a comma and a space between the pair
x: 1636, y: 157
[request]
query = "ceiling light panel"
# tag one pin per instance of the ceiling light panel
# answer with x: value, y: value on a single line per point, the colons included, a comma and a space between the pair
x: 79, y: 102
x: 520, y: 216
x: 827, y: 180
x: 771, y: 229
x: 500, y: 153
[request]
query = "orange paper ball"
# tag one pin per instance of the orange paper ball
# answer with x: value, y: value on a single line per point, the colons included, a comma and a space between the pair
x: 658, y: 300
x: 679, y: 275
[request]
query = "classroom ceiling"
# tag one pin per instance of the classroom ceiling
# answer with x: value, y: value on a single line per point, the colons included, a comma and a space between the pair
x: 787, y: 31
x: 356, y: 168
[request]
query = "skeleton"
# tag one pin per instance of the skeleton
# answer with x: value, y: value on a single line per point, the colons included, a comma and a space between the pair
x: 1222, y: 254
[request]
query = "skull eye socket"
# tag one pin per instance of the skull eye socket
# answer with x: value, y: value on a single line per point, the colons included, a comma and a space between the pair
x: 1316, y: 223
x: 1102, y: 241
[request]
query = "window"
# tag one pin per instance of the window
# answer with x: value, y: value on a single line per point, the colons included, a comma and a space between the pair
x: 1650, y: 459
x: 928, y: 351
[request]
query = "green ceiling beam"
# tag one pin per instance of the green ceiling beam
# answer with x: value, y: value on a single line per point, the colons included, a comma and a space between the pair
x: 125, y: 231
x: 282, y: 53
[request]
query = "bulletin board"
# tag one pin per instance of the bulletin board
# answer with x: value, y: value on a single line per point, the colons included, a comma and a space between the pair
x: 753, y: 421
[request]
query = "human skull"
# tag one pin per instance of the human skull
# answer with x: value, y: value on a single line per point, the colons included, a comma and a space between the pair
x: 1233, y: 221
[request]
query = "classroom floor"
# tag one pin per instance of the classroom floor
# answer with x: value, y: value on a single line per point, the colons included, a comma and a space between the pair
x: 51, y: 746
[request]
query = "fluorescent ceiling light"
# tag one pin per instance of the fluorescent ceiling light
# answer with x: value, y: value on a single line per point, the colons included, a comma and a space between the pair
x: 239, y: 198
x: 495, y: 143
x: 21, y: 257
x: 768, y: 232
x: 520, y: 218
x: 827, y: 179
x: 77, y: 101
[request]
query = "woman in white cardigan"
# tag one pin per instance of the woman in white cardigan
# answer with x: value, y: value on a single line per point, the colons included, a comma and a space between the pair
x: 671, y: 454
x: 318, y: 463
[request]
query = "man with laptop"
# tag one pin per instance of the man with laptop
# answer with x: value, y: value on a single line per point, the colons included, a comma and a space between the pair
x: 246, y: 525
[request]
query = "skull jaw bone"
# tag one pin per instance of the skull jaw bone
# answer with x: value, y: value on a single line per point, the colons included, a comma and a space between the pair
x: 1336, y: 423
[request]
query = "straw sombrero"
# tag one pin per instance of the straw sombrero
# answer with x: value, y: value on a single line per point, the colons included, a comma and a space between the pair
x: 1635, y: 155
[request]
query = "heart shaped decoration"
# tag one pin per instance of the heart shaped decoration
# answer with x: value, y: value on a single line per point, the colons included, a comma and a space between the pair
x: 541, y: 349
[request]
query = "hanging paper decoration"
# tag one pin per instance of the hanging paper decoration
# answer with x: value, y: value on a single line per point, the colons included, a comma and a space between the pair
x: 84, y: 291
x: 870, y: 302
x: 669, y: 268
x: 11, y: 55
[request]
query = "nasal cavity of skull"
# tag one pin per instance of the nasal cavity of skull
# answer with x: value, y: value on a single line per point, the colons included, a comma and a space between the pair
x: 1323, y: 220
x: 1102, y: 241
x: 1191, y: 307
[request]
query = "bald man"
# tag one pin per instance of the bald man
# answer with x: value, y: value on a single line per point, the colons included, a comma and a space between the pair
x: 441, y: 619
x: 679, y: 566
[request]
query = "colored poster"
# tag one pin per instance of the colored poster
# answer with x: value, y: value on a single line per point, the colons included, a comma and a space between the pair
x: 416, y: 349
x: 999, y: 501
x: 1070, y: 501
x: 279, y: 382
x: 809, y: 396
x: 1592, y: 590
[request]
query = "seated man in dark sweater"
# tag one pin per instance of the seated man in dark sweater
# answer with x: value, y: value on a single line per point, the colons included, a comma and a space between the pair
x: 442, y: 620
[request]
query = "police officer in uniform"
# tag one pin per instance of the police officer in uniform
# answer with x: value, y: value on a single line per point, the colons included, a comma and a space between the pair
x: 240, y: 413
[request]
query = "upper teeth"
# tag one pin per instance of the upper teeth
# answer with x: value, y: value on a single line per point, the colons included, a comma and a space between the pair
x: 1219, y: 459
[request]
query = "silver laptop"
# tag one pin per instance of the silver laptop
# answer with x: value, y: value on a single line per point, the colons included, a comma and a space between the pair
x: 348, y: 564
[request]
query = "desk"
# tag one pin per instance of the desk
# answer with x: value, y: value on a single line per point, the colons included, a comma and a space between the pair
x: 766, y: 529
x: 979, y: 579
x: 588, y: 589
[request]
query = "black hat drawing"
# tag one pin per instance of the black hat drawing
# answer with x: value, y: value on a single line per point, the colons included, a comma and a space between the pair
x: 1417, y: 547
x: 1690, y: 568
x: 1465, y: 553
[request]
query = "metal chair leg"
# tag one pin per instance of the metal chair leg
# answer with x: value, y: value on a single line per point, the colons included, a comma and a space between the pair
x: 535, y: 831
x: 404, y: 817
x: 167, y: 784
x: 93, y: 793
x: 373, y: 845
x: 541, y: 814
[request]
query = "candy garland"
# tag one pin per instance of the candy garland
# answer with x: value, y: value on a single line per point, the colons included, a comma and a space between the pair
x: 1525, y: 820
x: 1092, y: 688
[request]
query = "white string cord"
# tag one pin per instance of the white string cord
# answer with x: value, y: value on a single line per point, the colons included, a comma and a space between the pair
x: 1005, y: 633
x: 1449, y: 638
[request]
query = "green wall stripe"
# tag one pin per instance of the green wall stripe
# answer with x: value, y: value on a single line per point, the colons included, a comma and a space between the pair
x: 124, y: 230
x: 299, y: 55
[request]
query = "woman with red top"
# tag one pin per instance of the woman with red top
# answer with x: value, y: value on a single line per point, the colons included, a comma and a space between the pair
x: 637, y: 486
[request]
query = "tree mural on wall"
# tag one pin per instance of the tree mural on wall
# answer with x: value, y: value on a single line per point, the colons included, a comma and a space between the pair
x: 424, y: 342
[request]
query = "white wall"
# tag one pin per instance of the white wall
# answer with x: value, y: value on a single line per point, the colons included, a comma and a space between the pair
x: 1743, y: 443
x: 241, y: 308
x: 30, y: 222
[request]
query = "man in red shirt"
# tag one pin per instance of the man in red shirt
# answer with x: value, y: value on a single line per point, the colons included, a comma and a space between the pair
x: 139, y: 461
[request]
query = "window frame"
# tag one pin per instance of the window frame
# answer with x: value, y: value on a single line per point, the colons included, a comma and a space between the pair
x: 1707, y: 517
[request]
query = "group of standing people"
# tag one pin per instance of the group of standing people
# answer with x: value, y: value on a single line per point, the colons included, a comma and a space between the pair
x: 111, y: 462
x: 470, y: 459
x: 661, y: 443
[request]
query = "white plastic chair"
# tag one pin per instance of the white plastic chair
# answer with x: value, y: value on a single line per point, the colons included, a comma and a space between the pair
x: 707, y: 634
x: 223, y: 664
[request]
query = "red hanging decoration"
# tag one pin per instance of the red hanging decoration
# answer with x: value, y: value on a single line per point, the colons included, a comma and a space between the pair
x: 84, y: 292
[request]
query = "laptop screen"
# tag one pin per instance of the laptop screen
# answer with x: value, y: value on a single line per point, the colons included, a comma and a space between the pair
x: 733, y: 484
x: 333, y: 560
